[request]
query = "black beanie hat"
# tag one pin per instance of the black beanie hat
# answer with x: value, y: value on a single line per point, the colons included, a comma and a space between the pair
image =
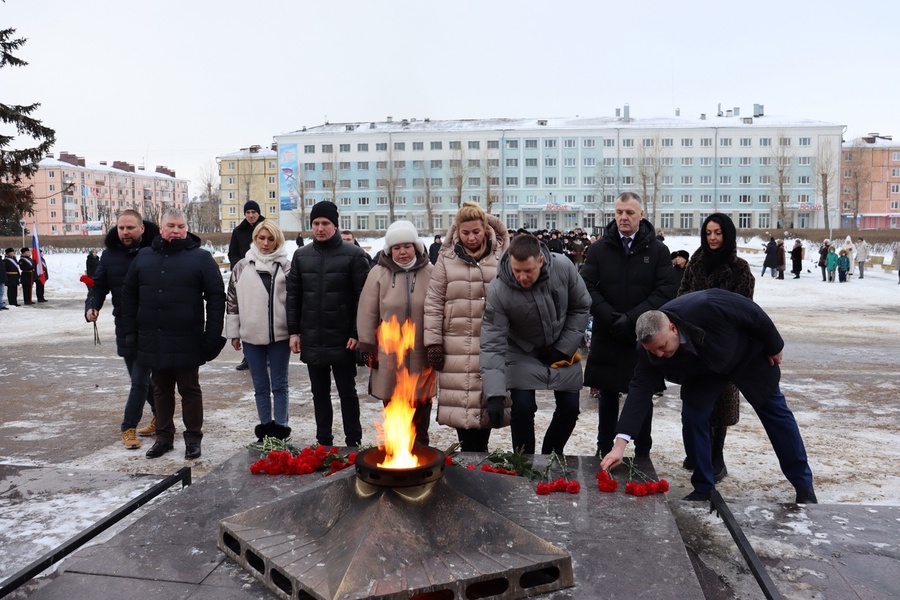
x: 324, y: 210
x: 251, y: 205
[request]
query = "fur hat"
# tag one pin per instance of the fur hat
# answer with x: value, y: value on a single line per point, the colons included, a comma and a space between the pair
x: 10, y: 251
x: 251, y: 205
x: 403, y: 232
x: 682, y: 253
x: 324, y: 210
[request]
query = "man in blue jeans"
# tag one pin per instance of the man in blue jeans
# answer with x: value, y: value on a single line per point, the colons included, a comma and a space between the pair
x: 121, y: 246
x: 535, y: 314
x: 703, y: 340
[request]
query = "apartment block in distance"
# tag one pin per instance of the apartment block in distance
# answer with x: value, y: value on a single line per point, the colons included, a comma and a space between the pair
x: 561, y: 173
x: 248, y: 174
x: 870, y: 182
x: 73, y: 197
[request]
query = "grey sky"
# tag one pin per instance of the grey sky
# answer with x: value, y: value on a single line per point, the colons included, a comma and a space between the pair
x: 177, y: 82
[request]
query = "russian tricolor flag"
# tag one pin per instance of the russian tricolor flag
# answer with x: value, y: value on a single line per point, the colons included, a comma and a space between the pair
x: 39, y: 273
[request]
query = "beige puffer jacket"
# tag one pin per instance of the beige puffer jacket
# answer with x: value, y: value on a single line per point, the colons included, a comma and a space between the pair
x: 454, y: 306
x: 250, y: 313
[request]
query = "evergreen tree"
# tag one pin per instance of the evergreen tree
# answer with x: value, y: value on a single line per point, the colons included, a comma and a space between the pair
x: 18, y: 164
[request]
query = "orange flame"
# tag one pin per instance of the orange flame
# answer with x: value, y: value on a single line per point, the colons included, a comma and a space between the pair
x: 398, y: 430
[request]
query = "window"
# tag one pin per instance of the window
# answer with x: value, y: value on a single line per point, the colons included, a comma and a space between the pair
x: 804, y: 161
x: 569, y: 180
x: 627, y: 162
x: 590, y: 180
x: 231, y: 180
x: 724, y: 161
x: 706, y: 180
x: 803, y: 198
x: 687, y: 143
x: 362, y: 166
x: 744, y: 199
x: 687, y: 220
x: 399, y: 164
x: 381, y: 147
x: 687, y: 162
x: 569, y: 143
x: 512, y: 162
x: 493, y: 144
x: 512, y: 181
x: 895, y: 156
x: 326, y: 166
x: 589, y: 199
x: 895, y: 204
x: 609, y: 162
x: 765, y: 161
x: 474, y: 163
x: 344, y: 166
x: 666, y: 198
x: 705, y: 198
x: 362, y: 184
x: 344, y: 147
x: 667, y: 142
x: 364, y: 201
x: 345, y: 184
x: 746, y: 161
x: 784, y: 141
x: 764, y: 199
x: 764, y: 221
x: 362, y: 147
x: 609, y: 198
x: 705, y: 142
x: 744, y: 179
x: 549, y: 143
x: 687, y: 199
x: 765, y: 142
x: 399, y: 145
x: 382, y: 200
x: 805, y: 141
x: 531, y: 162
x: 531, y: 181
x: 400, y: 200
x: 706, y: 161
x: 309, y: 185
x: 647, y: 142
x: 724, y: 179
x: 803, y: 179
x: 895, y: 188
x: 549, y: 180
x: 609, y: 180
x: 455, y: 145
x: 666, y: 161
x: 474, y: 145
x: 589, y: 161
x: 666, y: 220
x: 609, y: 143
x: 272, y: 177
x: 344, y: 201
x: 628, y: 143
x: 627, y: 180
x: 746, y: 142
x: 327, y: 149
x: 437, y: 164
x: 381, y: 222
x: 437, y: 182
x: 894, y: 173
x: 589, y: 143
x: 418, y: 181
x: 745, y: 220
x: 455, y: 163
x: 437, y: 145
x: 569, y: 198
x: 724, y: 198
x: 549, y: 162
x: 725, y: 142
x: 309, y: 149
x: 687, y: 180
x: 531, y: 144
x: 667, y: 180
x: 569, y: 162
x: 418, y: 146
x: 418, y: 164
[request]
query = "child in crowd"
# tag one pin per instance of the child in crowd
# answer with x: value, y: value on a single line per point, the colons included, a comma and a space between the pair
x: 843, y: 266
x: 831, y: 261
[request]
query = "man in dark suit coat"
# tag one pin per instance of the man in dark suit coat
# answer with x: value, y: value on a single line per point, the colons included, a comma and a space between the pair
x: 703, y: 340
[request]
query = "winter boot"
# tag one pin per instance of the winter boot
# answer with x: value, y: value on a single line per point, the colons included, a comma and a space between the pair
x: 282, y: 432
x: 263, y: 430
x: 129, y: 438
x: 717, y: 437
x: 149, y: 430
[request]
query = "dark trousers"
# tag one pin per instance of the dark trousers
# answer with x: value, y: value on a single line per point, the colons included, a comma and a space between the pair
x: 27, y: 284
x: 141, y: 391
x: 609, y: 418
x: 473, y: 440
x: 12, y: 290
x: 780, y: 426
x: 561, y: 425
x: 188, y: 382
x: 39, y: 290
x: 345, y: 381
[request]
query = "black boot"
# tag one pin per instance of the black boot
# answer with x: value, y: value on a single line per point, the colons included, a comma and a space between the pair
x: 282, y: 432
x: 717, y: 437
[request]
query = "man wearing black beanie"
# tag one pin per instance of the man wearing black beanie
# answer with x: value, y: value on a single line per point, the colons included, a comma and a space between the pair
x: 241, y: 238
x: 323, y: 288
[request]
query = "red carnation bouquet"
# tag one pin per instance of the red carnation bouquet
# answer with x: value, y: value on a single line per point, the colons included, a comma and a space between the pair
x: 90, y: 286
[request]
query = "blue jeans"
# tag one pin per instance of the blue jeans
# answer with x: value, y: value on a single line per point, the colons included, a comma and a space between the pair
x: 764, y: 271
x: 269, y: 372
x: 561, y: 425
x: 141, y: 391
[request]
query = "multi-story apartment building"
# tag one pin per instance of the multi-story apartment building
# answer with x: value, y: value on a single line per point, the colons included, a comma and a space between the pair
x: 561, y: 173
x: 73, y: 197
x: 870, y: 182
x: 249, y: 174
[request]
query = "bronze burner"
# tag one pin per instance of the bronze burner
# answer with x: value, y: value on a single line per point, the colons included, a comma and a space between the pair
x: 431, y: 468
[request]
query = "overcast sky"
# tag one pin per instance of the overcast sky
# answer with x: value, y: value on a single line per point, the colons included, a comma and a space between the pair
x: 178, y: 82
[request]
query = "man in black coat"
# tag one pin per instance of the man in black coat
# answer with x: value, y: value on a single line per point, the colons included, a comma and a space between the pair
x: 173, y: 311
x: 703, y: 340
x: 323, y: 288
x: 625, y: 279
x: 26, y: 265
x: 434, y: 250
x: 241, y: 238
x: 13, y: 273
x: 122, y: 245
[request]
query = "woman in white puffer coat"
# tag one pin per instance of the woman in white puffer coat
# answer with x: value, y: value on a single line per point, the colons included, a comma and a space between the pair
x: 454, y: 306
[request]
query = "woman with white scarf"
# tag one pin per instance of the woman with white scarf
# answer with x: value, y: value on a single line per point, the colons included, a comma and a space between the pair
x: 255, y: 315
x: 396, y: 287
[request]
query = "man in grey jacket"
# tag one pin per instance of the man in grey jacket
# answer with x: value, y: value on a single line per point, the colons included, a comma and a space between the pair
x: 534, y: 320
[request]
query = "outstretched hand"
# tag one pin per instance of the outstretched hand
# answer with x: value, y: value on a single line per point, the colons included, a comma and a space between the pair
x: 614, y: 457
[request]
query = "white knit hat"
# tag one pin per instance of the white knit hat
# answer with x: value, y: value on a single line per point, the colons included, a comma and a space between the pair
x: 403, y: 232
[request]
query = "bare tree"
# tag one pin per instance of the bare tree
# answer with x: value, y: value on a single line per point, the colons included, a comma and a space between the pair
x: 388, y: 181
x: 781, y: 157
x: 601, y: 172
x: 858, y: 184
x: 827, y: 172
x: 650, y: 170
x: 298, y: 190
x: 203, y: 212
x: 459, y: 173
x: 331, y: 176
x: 426, y: 188
x: 489, y: 166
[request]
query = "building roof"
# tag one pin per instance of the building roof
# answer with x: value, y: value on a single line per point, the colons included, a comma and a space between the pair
x: 252, y: 152
x: 872, y: 141
x: 530, y: 124
x: 50, y: 163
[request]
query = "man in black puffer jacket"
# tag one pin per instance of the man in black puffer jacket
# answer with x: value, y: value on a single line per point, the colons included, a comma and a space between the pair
x: 122, y: 246
x: 624, y: 283
x: 323, y: 289
x: 241, y: 238
x: 173, y: 311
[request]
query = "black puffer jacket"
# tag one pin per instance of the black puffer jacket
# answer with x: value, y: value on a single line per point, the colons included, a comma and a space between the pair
x: 241, y: 238
x: 323, y: 291
x: 628, y: 284
x: 173, y: 299
x: 110, y: 276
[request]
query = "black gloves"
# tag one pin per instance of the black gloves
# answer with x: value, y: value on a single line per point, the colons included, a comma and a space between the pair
x: 436, y: 357
x: 212, y: 348
x: 622, y: 329
x: 551, y: 355
x: 131, y: 340
x: 371, y: 359
x: 495, y: 410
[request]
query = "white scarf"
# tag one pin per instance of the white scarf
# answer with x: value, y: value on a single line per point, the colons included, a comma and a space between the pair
x: 409, y: 265
x: 266, y: 263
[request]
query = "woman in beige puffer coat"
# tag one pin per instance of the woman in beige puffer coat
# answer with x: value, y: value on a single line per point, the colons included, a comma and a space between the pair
x: 454, y: 306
